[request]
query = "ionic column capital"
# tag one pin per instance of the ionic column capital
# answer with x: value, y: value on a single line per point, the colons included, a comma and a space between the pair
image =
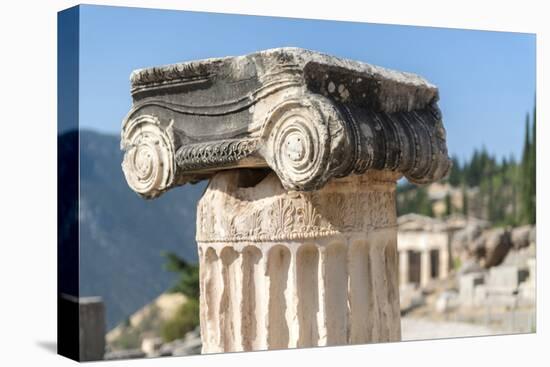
x: 296, y: 231
x: 307, y: 116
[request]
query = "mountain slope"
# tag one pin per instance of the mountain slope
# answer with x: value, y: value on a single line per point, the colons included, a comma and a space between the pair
x: 122, y: 235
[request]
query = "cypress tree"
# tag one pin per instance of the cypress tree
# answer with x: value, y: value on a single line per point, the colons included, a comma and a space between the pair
x: 448, y: 205
x: 464, y: 200
x: 455, y: 175
x: 505, y: 187
x: 525, y: 175
x: 512, y: 176
x: 533, y: 170
x: 491, y: 196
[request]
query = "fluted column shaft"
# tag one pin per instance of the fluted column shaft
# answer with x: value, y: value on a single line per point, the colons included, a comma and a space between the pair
x: 284, y: 269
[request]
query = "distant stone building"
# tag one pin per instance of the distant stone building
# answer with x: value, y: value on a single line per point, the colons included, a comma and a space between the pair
x: 427, y: 246
x: 424, y: 249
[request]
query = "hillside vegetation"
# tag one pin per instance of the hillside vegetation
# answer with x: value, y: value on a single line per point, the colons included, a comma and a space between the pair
x: 500, y: 191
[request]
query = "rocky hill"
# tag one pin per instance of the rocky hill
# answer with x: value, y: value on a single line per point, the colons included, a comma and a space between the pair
x: 145, y: 323
x: 122, y: 237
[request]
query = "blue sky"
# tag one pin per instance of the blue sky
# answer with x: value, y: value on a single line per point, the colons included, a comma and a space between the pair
x: 486, y: 79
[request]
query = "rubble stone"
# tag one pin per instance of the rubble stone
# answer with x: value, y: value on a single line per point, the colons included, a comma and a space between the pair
x: 467, y: 284
x: 520, y: 236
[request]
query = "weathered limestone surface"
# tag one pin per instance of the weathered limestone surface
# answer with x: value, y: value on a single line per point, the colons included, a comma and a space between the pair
x: 295, y: 269
x: 306, y: 115
x: 297, y: 228
x: 468, y: 283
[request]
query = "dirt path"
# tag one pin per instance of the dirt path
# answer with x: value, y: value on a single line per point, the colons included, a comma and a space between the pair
x: 418, y: 329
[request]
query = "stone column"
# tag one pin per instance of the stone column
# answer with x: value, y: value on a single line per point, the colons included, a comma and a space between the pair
x: 403, y: 266
x: 443, y: 263
x: 296, y: 231
x: 281, y: 266
x: 425, y: 267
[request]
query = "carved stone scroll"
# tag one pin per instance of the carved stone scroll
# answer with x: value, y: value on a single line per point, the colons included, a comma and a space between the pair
x: 307, y: 116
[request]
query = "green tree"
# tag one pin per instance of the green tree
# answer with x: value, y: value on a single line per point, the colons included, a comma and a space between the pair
x: 187, y: 316
x: 455, y: 175
x: 464, y: 199
x: 528, y: 167
x: 188, y: 281
x: 185, y: 320
x: 448, y: 205
x: 533, y: 170
x: 413, y: 200
x: 502, y: 190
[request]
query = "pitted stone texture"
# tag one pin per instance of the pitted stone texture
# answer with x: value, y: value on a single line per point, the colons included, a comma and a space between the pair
x: 307, y: 116
x: 285, y: 269
x: 229, y: 212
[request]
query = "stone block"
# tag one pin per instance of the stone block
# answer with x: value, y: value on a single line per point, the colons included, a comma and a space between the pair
x: 506, y: 278
x: 447, y: 301
x: 467, y: 284
x: 520, y: 236
x: 480, y: 295
x: 92, y: 328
